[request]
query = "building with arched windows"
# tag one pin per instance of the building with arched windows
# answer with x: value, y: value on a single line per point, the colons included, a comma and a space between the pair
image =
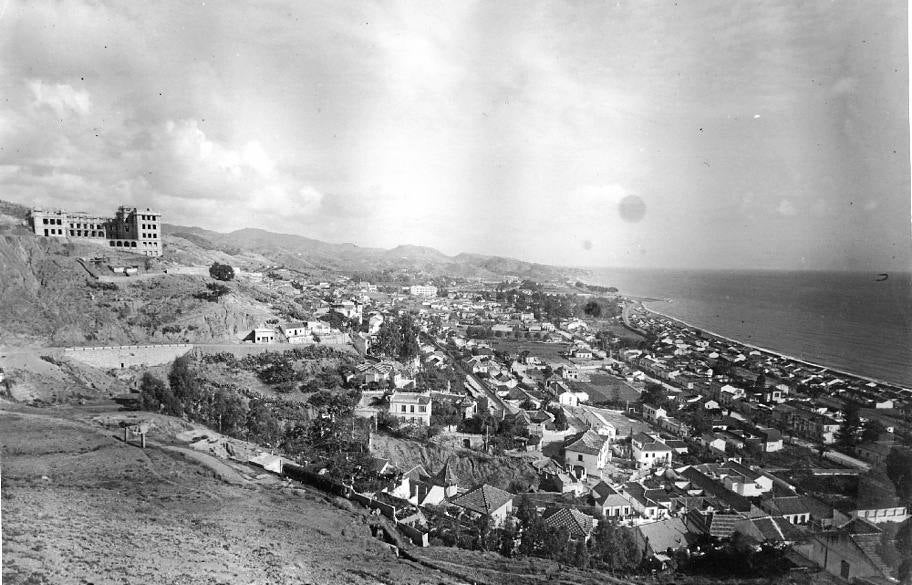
x: 131, y: 229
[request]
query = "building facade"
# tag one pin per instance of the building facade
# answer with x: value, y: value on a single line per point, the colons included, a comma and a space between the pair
x: 131, y: 229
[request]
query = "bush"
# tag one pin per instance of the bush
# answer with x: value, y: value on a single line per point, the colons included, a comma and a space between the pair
x: 221, y: 271
x: 213, y: 292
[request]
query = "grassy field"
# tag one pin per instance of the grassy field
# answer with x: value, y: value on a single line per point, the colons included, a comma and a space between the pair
x: 606, y: 388
x: 545, y: 351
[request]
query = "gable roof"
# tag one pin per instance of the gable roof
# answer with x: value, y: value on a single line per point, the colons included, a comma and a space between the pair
x: 664, y: 535
x: 446, y: 476
x: 579, y: 525
x: 590, y: 443
x: 484, y: 499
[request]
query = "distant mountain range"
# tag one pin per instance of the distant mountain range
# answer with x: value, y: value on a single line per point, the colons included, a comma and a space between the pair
x: 303, y: 253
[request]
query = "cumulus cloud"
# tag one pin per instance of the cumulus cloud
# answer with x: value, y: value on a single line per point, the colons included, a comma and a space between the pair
x: 62, y: 98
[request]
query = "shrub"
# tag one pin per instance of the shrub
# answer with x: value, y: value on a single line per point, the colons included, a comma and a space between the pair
x: 221, y: 271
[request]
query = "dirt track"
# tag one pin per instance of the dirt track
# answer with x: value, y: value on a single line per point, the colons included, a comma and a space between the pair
x: 82, y: 507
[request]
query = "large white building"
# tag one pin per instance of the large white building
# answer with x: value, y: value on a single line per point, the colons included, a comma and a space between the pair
x: 131, y: 229
x: 420, y: 290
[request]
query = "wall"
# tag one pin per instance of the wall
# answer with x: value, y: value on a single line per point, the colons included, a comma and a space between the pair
x: 127, y: 355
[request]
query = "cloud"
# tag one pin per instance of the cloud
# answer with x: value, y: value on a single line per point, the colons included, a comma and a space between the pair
x: 786, y: 208
x: 60, y: 97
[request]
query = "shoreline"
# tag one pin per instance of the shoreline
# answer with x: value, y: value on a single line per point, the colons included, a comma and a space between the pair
x: 768, y: 351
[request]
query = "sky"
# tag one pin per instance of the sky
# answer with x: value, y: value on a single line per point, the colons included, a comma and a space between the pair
x: 710, y: 134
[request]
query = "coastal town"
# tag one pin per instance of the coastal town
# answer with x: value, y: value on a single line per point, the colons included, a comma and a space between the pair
x: 622, y: 440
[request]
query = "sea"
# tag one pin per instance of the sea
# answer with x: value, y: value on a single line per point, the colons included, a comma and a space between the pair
x: 851, y: 321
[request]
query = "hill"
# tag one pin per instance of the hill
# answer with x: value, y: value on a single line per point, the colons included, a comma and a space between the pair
x: 80, y: 506
x: 301, y: 253
x: 51, y: 297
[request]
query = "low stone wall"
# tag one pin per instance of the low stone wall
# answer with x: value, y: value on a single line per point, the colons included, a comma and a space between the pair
x: 125, y: 356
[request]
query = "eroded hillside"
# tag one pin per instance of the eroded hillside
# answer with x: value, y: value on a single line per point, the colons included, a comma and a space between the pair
x: 51, y: 298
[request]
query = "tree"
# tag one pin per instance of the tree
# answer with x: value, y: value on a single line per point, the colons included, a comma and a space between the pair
x: 184, y: 383
x: 221, y: 271
x: 899, y: 470
x: 525, y: 511
x: 155, y: 396
x: 228, y: 412
x: 593, y: 309
x: 614, y: 547
x: 560, y: 419
x: 873, y: 428
x: 847, y: 434
x: 261, y: 425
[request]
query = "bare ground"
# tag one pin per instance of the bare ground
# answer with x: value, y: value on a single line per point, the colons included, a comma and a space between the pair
x: 79, y: 506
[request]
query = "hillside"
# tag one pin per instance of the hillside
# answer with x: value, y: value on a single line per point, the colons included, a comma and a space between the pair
x: 303, y: 253
x: 50, y: 298
x: 471, y: 467
x: 113, y: 513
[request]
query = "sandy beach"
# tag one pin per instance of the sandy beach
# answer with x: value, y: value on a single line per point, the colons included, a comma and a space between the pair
x: 768, y: 351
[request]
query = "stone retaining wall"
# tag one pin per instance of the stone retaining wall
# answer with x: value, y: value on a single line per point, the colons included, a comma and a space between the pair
x: 125, y: 356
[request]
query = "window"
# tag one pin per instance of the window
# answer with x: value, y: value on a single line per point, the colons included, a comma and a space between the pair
x: 132, y: 244
x: 579, y: 457
x: 412, y: 408
x: 112, y: 243
x: 45, y: 231
x: 403, y: 408
x: 844, y: 569
x: 45, y: 221
x: 422, y: 409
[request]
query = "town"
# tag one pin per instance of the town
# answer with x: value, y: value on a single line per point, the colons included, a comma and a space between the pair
x: 570, y: 421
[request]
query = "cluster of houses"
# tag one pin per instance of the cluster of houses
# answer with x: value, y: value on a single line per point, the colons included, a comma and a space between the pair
x: 653, y: 473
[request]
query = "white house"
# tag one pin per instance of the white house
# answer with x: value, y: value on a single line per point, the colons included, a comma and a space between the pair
x: 589, y: 453
x: 650, y: 451
x: 411, y: 407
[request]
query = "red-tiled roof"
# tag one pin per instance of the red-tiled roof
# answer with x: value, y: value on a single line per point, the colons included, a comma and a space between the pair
x: 578, y: 524
x: 484, y: 499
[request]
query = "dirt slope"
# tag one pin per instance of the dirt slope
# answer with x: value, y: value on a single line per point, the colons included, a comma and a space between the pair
x: 471, y: 467
x: 82, y: 507
x: 49, y: 298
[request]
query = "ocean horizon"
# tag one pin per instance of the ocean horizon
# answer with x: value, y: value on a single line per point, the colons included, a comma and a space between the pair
x: 852, y: 321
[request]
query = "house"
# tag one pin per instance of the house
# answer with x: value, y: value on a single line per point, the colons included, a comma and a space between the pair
x: 713, y: 442
x: 587, y: 453
x: 411, y: 407
x: 649, y: 451
x: 581, y: 354
x: 579, y: 526
x: 262, y: 335
x: 486, y: 500
x: 771, y: 529
x: 850, y: 552
x: 662, y: 538
x: 715, y: 524
x: 571, y: 398
x: 739, y: 478
x: 568, y: 373
x: 643, y: 505
x: 432, y: 490
x: 611, y: 502
x: 792, y: 508
x: 653, y: 413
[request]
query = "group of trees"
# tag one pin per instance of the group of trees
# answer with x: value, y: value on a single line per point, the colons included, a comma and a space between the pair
x: 398, y: 338
x: 221, y: 408
x: 324, y: 431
